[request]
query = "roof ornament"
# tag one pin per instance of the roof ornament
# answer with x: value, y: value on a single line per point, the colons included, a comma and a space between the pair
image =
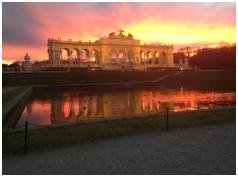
x: 130, y: 36
x: 27, y: 57
x: 120, y: 32
x: 120, y: 35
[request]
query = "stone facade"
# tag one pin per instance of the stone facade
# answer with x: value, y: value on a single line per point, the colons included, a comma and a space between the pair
x: 116, y: 51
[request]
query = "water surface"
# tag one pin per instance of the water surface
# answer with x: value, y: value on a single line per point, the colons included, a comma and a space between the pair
x: 60, y: 107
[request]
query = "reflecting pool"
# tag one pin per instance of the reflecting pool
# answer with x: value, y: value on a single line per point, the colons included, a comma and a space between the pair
x: 62, y: 107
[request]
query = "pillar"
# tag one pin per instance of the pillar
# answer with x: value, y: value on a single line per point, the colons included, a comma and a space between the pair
x: 54, y: 59
x: 70, y: 58
x: 170, y: 57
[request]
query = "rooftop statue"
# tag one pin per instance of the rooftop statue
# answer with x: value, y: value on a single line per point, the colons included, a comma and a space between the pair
x: 120, y: 35
x: 112, y: 35
x: 27, y: 57
x: 130, y: 36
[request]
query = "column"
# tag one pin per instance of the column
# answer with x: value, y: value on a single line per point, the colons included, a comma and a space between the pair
x: 70, y: 58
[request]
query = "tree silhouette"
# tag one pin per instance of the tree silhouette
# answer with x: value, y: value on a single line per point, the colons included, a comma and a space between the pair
x: 211, y: 58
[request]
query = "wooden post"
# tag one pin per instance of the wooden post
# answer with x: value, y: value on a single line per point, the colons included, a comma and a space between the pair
x: 167, y: 119
x: 26, y: 131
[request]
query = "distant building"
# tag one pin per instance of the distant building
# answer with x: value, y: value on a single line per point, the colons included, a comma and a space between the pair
x: 115, y: 51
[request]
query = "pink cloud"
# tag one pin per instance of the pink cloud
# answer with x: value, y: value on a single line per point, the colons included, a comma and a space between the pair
x: 81, y: 20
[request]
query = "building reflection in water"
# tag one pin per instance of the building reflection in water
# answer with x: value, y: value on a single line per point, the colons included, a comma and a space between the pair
x: 73, y: 106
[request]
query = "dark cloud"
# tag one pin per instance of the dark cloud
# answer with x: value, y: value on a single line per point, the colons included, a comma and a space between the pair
x: 23, y: 26
x: 19, y: 25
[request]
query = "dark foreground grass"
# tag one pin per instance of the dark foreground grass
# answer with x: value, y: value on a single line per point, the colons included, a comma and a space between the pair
x: 42, y: 140
x: 199, y: 80
x: 18, y: 79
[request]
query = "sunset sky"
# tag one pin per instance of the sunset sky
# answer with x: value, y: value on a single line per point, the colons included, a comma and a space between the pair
x: 27, y: 26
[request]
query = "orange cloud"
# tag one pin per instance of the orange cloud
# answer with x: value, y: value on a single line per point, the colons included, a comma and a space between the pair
x: 16, y: 53
x: 176, y: 33
x: 173, y: 23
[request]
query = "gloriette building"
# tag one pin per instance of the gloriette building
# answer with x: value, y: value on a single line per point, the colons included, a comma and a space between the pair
x: 115, y: 51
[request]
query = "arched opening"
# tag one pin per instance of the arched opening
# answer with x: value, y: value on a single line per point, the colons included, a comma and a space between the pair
x: 113, y: 56
x: 84, y: 55
x: 143, y: 57
x: 130, y: 56
x: 149, y: 57
x: 65, y: 55
x: 156, y: 57
x: 75, y: 56
x: 121, y: 56
x: 95, y: 56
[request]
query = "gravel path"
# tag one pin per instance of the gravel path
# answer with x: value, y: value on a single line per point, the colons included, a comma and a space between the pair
x: 198, y: 150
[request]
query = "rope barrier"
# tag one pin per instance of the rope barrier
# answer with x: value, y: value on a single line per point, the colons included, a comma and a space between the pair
x: 27, y: 124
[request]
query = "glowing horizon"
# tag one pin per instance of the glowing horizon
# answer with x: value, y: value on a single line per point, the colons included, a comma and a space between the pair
x: 27, y: 26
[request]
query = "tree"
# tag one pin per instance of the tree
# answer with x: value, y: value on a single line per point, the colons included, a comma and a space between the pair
x: 215, y: 58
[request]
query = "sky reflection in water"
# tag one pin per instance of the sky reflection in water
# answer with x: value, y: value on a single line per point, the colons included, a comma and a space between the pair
x: 71, y: 107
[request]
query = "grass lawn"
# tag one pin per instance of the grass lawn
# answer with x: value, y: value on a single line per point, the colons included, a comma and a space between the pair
x: 19, y: 79
x: 199, y: 80
x: 46, y: 139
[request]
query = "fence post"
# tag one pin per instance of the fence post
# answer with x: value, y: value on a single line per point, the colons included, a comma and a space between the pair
x: 26, y: 131
x: 167, y: 119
